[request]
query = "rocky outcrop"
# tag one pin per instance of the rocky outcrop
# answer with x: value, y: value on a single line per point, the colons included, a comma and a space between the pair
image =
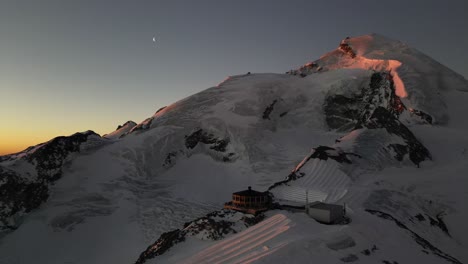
x: 50, y: 158
x: 201, y: 136
x: 127, y: 124
x: 305, y: 70
x: 425, y: 118
x: 325, y: 153
x: 19, y: 194
x: 346, y: 113
x: 269, y: 109
x: 347, y: 49
x: 341, y: 112
x: 160, y: 109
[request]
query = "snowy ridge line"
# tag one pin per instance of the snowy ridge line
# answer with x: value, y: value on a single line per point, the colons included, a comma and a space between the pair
x: 420, y: 240
x: 246, y: 246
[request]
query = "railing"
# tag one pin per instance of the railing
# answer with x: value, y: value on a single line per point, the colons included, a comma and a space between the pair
x: 249, y: 210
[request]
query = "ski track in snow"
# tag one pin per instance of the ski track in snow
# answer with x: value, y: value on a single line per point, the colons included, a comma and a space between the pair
x: 247, y: 246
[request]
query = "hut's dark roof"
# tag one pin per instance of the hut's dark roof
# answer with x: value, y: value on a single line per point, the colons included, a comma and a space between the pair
x: 250, y: 192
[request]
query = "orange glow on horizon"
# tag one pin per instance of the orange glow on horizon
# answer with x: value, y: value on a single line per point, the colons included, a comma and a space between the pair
x: 14, y: 140
x: 10, y: 144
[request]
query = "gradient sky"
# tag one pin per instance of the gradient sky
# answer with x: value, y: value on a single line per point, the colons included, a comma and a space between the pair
x: 68, y: 66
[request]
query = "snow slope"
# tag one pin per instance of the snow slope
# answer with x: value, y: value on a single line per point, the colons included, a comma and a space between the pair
x: 374, y: 124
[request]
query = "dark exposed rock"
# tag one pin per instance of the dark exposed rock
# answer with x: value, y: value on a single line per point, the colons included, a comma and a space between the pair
x: 342, y: 112
x: 216, y: 229
x: 228, y: 157
x: 347, y: 49
x: 291, y: 177
x: 426, y: 245
x: 425, y: 117
x: 349, y: 258
x: 201, y: 136
x: 439, y: 222
x: 325, y: 153
x: 303, y: 71
x: 18, y: 195
x: 169, y: 161
x: 368, y: 252
x: 268, y: 110
x: 160, y: 109
x: 131, y: 123
x: 420, y: 217
x: 400, y: 150
x: 164, y: 243
x: 283, y: 114
x: 250, y: 221
x: 220, y: 145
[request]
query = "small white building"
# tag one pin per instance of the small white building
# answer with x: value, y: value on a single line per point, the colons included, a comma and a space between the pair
x: 325, y: 213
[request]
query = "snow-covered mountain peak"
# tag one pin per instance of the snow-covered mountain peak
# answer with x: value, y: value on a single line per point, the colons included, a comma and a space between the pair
x: 419, y: 81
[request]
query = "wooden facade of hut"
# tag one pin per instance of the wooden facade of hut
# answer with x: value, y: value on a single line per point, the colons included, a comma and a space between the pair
x: 249, y: 201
